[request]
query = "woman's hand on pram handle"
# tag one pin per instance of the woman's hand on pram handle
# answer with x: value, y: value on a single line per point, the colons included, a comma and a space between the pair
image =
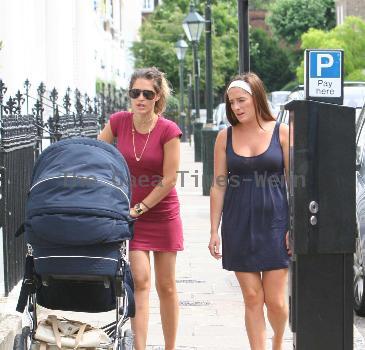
x: 133, y: 213
x: 138, y: 210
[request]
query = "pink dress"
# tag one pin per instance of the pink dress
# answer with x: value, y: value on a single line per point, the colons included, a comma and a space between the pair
x: 160, y: 228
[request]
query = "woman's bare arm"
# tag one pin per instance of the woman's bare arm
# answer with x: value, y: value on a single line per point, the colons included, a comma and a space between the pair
x: 284, y: 141
x: 171, y: 162
x: 217, y: 192
x: 106, y: 134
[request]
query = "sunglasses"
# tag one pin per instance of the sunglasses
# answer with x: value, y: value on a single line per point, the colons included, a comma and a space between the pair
x: 148, y: 94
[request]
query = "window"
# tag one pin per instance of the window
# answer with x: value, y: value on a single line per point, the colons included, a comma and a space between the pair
x: 111, y: 9
x: 148, y: 5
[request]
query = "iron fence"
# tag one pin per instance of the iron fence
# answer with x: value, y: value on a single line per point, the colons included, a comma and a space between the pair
x: 28, y: 124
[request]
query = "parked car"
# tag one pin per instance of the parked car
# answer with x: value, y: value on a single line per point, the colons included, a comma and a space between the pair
x: 283, y: 115
x: 359, y: 256
x: 277, y: 98
x: 296, y: 94
x: 353, y: 96
x: 202, y: 115
x: 220, y: 117
x: 353, y: 93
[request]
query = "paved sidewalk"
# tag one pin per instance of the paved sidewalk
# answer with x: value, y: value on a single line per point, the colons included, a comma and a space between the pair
x: 211, y: 313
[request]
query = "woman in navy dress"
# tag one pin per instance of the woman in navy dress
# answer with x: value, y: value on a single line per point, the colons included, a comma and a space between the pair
x: 248, y: 195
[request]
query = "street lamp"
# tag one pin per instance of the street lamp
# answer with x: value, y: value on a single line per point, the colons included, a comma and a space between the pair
x: 193, y: 25
x: 180, y: 47
x: 209, y: 132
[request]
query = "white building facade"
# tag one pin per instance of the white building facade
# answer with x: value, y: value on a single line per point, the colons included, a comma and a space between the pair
x: 68, y: 43
x: 149, y: 6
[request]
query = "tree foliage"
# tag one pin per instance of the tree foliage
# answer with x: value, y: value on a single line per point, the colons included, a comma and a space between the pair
x: 270, y: 61
x: 350, y: 36
x: 163, y: 28
x: 289, y: 19
x: 260, y: 4
x: 172, y: 109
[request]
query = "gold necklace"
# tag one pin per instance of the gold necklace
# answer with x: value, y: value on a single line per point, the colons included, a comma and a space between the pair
x: 144, y: 147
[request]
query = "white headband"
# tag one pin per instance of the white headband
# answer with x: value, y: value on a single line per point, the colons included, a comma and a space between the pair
x: 240, y: 84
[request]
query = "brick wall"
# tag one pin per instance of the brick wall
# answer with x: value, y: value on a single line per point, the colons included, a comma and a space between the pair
x: 257, y: 19
x: 355, y: 8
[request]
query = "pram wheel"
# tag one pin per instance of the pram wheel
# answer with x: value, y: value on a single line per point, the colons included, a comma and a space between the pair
x: 21, y: 340
x: 127, y: 340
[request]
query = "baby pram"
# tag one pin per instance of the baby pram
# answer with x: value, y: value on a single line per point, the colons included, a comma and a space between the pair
x: 77, y: 229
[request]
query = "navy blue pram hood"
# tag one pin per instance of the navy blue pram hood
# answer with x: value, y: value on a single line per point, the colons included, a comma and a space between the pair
x: 77, y: 212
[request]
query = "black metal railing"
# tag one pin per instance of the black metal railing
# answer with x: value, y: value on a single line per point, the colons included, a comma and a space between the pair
x: 18, y: 137
x: 28, y: 123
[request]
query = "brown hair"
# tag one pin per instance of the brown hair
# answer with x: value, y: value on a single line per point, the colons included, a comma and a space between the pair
x: 160, y: 85
x: 262, y: 108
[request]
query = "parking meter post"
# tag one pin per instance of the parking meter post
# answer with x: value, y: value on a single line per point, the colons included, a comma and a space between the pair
x: 209, y: 135
x: 322, y: 224
x: 198, y: 141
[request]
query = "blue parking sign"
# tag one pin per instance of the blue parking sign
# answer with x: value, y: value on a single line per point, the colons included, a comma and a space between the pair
x: 323, y: 75
x: 325, y: 64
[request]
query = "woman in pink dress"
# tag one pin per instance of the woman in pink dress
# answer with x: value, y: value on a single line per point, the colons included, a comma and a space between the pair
x: 151, y: 146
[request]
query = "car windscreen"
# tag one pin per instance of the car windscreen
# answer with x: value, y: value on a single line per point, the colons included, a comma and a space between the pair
x: 354, y: 96
x: 279, y: 98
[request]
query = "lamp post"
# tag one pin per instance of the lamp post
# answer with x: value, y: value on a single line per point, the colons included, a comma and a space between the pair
x: 208, y: 62
x: 180, y: 47
x: 190, y: 106
x: 209, y: 132
x: 193, y: 25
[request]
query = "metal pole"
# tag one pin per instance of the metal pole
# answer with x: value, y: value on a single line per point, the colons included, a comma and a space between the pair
x: 189, y: 122
x: 208, y: 62
x: 182, y: 86
x: 243, y: 38
x: 196, y: 80
x: 209, y: 133
x: 182, y: 119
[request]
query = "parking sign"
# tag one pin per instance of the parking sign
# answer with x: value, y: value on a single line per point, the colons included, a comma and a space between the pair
x: 324, y: 75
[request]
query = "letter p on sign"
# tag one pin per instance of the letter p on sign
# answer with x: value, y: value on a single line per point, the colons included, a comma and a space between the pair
x: 324, y: 60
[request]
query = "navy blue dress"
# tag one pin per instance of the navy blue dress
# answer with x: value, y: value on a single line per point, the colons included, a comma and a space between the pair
x: 255, y: 210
